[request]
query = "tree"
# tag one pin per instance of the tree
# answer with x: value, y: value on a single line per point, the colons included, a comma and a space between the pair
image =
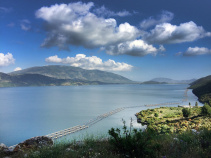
x: 196, y: 104
x: 206, y: 110
x: 186, y: 112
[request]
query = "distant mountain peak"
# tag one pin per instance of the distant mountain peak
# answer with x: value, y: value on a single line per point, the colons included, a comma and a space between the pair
x: 74, y: 73
x: 172, y: 81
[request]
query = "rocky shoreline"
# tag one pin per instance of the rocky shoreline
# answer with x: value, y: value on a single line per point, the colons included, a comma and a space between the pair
x: 34, y: 143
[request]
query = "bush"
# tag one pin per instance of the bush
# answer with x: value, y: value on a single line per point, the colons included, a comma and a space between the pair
x: 206, y: 110
x: 186, y: 112
x: 132, y: 143
x: 156, y: 115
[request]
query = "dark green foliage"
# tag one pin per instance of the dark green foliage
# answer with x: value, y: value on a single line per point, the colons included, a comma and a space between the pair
x: 156, y: 115
x: 149, y: 143
x: 196, y: 104
x: 133, y: 143
x: 200, y: 82
x: 130, y: 143
x: 206, y: 110
x: 186, y: 112
x: 202, y: 89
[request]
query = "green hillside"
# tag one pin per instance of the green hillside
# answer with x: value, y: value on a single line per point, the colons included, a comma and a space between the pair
x: 202, y: 89
x: 39, y: 80
x: 70, y: 72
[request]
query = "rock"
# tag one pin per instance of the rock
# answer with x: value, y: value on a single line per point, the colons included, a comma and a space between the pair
x: 34, y: 143
x: 195, y: 131
x: 2, y: 146
x: 176, y: 139
x: 4, y: 149
x: 69, y: 149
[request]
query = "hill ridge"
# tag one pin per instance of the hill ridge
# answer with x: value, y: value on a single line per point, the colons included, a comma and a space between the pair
x: 70, y: 72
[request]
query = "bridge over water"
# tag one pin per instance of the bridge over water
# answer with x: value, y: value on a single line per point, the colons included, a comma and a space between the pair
x: 93, y: 121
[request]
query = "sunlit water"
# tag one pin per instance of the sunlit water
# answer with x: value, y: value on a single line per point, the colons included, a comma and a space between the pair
x: 26, y: 112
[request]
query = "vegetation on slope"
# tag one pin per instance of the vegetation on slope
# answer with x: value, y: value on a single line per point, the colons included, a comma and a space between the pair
x: 130, y: 143
x: 39, y: 80
x: 70, y: 72
x: 202, y: 89
x: 175, y: 119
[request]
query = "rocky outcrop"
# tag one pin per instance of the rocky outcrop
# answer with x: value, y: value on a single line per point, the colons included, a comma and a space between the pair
x: 34, y: 143
x: 31, y: 144
x: 5, y: 150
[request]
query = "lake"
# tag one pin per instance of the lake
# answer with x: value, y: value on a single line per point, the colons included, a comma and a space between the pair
x: 26, y: 112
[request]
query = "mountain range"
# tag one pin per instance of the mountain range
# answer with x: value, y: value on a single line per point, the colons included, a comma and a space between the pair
x: 57, y: 75
x: 168, y: 81
x: 74, y: 73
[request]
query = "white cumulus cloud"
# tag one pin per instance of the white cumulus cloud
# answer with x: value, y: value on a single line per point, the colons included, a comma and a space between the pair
x: 82, y: 24
x: 75, y: 24
x: 134, y: 48
x: 166, y: 16
x: 167, y: 33
x: 17, y: 69
x: 91, y: 63
x: 6, y: 59
x: 195, y: 51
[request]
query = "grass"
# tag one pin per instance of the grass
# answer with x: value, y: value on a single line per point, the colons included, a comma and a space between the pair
x: 171, y: 120
x: 129, y: 142
x: 87, y: 148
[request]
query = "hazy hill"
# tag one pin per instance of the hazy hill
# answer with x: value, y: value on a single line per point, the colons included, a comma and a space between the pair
x: 171, y: 81
x: 70, y: 72
x: 153, y: 82
x: 38, y: 80
x: 202, y: 88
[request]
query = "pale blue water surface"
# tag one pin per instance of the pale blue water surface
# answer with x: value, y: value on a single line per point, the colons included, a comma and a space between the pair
x: 26, y: 112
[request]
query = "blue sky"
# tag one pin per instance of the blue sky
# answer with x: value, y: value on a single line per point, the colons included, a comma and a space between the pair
x: 138, y: 39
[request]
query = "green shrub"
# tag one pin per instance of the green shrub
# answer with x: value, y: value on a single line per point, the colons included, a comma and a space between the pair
x: 156, y: 115
x: 186, y: 112
x: 132, y: 143
x: 206, y: 110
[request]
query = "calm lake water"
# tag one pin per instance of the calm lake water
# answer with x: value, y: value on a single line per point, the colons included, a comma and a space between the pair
x: 26, y: 112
